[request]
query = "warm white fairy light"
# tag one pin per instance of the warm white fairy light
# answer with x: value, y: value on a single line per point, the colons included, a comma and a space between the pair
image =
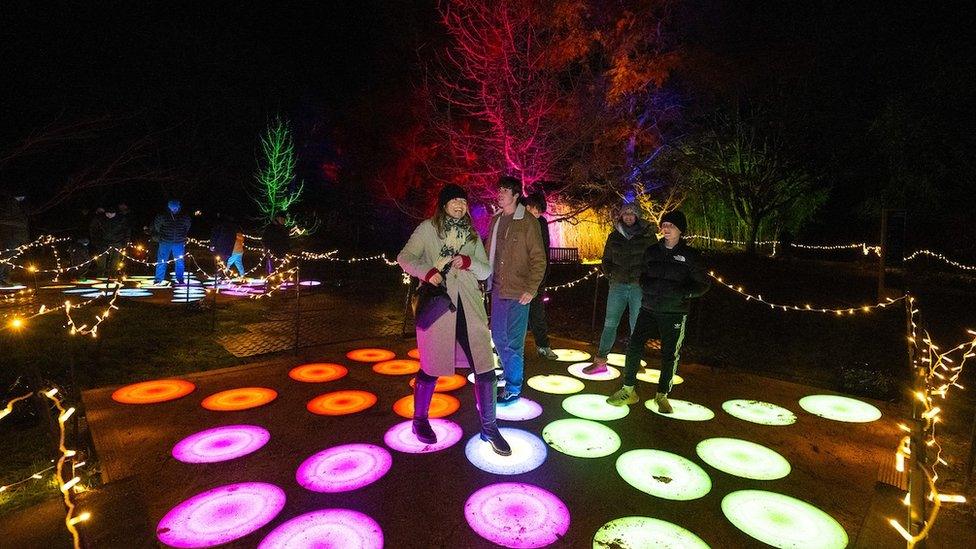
x: 806, y: 307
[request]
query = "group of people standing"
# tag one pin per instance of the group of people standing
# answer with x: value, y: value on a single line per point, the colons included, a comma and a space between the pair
x: 654, y: 277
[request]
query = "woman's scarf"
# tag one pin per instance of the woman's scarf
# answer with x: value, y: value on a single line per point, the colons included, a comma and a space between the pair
x: 456, y: 233
x: 630, y: 232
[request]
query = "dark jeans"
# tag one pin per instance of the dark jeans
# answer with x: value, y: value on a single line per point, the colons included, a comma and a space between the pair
x: 671, y: 327
x: 108, y: 264
x: 537, y: 321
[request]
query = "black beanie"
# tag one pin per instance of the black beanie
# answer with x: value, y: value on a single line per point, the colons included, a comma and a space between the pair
x: 676, y: 218
x: 450, y: 192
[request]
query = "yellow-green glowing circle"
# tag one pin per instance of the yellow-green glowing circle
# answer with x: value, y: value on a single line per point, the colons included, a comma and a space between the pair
x: 619, y: 359
x: 663, y: 474
x: 581, y: 438
x: 743, y: 458
x: 688, y: 411
x: 782, y: 521
x: 594, y: 407
x: 756, y: 411
x: 555, y: 384
x: 839, y: 408
x: 650, y: 375
x: 645, y: 532
x: 571, y: 355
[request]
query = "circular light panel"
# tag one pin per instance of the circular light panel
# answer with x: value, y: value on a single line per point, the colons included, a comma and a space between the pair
x: 743, y: 458
x: 221, y: 515
x: 344, y: 468
x: 318, y: 372
x: 663, y: 474
x: 152, y: 392
x: 340, y: 403
x: 445, y: 383
x: 757, y: 411
x: 620, y: 359
x: 528, y: 453
x: 517, y: 515
x: 840, y: 408
x: 441, y: 405
x: 324, y: 529
x: 400, y: 437
x: 651, y: 375
x: 239, y: 399
x: 571, y: 355
x: 782, y: 521
x: 645, y: 532
x: 577, y: 370
x: 522, y: 409
x: 594, y: 407
x: 581, y: 438
x: 555, y: 384
x: 221, y: 444
x: 397, y: 367
x: 684, y: 410
x: 370, y: 355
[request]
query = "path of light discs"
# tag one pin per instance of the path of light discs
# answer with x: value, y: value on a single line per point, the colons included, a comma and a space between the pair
x: 344, y: 468
x: 782, y: 521
x: 755, y: 411
x: 743, y: 458
x: 522, y: 409
x: 445, y: 383
x: 221, y: 443
x: 340, y: 403
x: 618, y: 359
x: 571, y: 355
x: 595, y: 407
x: 400, y: 437
x: 839, y: 408
x: 641, y: 532
x: 683, y: 409
x: 650, y: 375
x: 528, y: 452
x: 318, y: 372
x: 326, y: 528
x: 441, y: 405
x: 555, y: 384
x: 577, y: 370
x: 517, y: 515
x: 243, y: 398
x: 663, y: 474
x: 152, y: 392
x: 581, y: 438
x: 221, y: 515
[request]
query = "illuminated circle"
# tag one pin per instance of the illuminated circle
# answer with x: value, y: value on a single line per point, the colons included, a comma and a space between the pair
x: 517, y: 515
x: 396, y: 367
x: 577, y: 370
x: 85, y: 281
x: 571, y: 355
x: 340, y: 403
x: 499, y: 374
x: 594, y: 407
x: 13, y: 287
x: 743, y: 458
x: 645, y: 532
x: 151, y: 392
x: 370, y: 355
x: 221, y: 444
x: 134, y: 292
x: 318, y: 372
x: 79, y: 291
x: 782, y: 521
x: 522, y: 409
x: 256, y: 281
x: 239, y: 399
x: 441, y: 405
x: 651, y: 375
x: 528, y: 452
x: 414, y: 353
x: 221, y: 515
x: 400, y: 437
x: 344, y: 468
x: 839, y: 408
x: 688, y: 411
x: 237, y: 293
x: 663, y: 474
x: 555, y: 384
x: 581, y: 438
x: 106, y: 286
x: 326, y: 528
x: 93, y: 295
x: 756, y: 411
x: 446, y: 383
x: 619, y: 359
x: 51, y: 287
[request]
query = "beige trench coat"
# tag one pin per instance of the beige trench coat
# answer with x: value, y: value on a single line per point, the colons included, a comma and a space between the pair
x: 440, y: 352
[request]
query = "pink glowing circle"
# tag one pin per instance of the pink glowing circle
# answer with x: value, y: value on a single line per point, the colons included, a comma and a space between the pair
x: 517, y: 515
x: 221, y: 444
x: 324, y: 529
x: 221, y: 515
x: 400, y: 437
x: 344, y: 468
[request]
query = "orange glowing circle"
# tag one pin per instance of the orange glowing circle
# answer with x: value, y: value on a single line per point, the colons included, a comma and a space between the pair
x: 370, y: 355
x: 414, y: 353
x: 340, y: 403
x: 396, y: 367
x: 441, y: 405
x: 318, y: 372
x: 447, y: 383
x: 151, y: 392
x: 239, y: 399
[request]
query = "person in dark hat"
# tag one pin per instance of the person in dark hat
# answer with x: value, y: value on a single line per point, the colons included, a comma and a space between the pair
x: 110, y: 234
x: 672, y: 274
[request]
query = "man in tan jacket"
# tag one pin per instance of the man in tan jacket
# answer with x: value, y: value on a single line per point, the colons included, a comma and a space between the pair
x: 518, y: 260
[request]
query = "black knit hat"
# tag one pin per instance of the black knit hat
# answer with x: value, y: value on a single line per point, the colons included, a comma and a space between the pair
x: 676, y: 218
x: 450, y: 192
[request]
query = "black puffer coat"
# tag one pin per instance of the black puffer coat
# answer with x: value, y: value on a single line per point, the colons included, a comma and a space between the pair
x: 672, y: 277
x: 623, y: 258
x: 170, y: 227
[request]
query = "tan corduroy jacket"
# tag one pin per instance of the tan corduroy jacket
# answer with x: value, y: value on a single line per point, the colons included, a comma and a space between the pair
x: 523, y: 261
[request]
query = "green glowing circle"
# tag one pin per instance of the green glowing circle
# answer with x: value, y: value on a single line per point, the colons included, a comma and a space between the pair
x: 663, y: 474
x: 650, y: 375
x: 645, y: 532
x: 687, y: 411
x: 571, y: 355
x: 743, y: 458
x: 782, y: 521
x: 555, y: 384
x: 618, y: 359
x: 756, y: 411
x: 839, y: 408
x: 594, y: 407
x: 581, y: 438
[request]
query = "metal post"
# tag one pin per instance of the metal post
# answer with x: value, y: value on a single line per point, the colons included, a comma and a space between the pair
x: 298, y: 303
x: 916, y: 459
x: 596, y: 297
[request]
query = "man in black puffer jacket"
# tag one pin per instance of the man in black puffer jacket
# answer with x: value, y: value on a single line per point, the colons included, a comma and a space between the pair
x: 170, y: 229
x: 672, y: 275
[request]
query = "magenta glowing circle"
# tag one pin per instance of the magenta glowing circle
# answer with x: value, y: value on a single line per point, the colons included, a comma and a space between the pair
x: 344, y: 468
x: 221, y: 515
x: 517, y: 515
x: 400, y: 437
x: 522, y: 409
x: 326, y: 528
x: 221, y: 444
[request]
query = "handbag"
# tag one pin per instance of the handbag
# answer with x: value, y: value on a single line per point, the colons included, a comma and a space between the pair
x: 430, y: 302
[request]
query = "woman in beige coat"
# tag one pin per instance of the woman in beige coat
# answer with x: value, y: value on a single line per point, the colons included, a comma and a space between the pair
x: 446, y: 250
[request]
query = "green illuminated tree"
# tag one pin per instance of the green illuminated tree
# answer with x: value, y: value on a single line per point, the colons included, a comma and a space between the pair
x: 277, y: 188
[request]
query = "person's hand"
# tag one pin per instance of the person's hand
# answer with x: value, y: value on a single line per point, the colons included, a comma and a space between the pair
x: 458, y: 263
x: 526, y: 298
x: 435, y: 279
